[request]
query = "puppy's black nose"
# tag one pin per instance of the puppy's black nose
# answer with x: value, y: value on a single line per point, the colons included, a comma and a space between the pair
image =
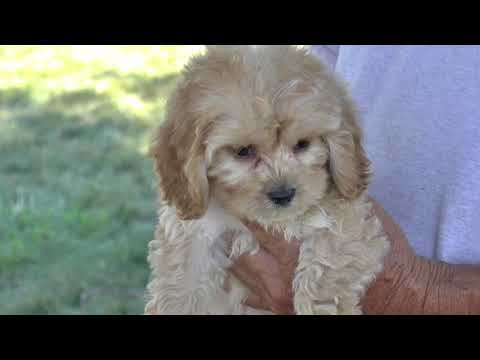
x: 282, y: 195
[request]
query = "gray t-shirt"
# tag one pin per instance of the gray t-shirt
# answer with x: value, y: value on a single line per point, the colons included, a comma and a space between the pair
x: 420, y: 109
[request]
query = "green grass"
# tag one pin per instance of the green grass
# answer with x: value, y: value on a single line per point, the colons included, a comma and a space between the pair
x: 77, y: 196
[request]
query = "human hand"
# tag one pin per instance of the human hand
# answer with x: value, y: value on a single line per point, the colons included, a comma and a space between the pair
x: 408, y: 284
x: 269, y: 273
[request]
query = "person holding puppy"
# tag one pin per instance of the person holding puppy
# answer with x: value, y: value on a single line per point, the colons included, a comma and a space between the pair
x: 419, y: 107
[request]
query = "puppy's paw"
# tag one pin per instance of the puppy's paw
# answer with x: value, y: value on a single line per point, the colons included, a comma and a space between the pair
x: 243, y: 243
x: 231, y: 244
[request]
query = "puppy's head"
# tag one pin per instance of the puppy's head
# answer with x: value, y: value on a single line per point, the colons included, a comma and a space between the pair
x: 266, y: 131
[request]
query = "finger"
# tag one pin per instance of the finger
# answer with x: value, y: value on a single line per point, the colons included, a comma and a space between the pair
x: 263, y: 236
x: 261, y: 274
x: 256, y: 302
x: 261, y: 263
x: 273, y: 280
x: 274, y: 242
x: 245, y: 271
x: 268, y: 285
x: 284, y: 252
x: 267, y: 302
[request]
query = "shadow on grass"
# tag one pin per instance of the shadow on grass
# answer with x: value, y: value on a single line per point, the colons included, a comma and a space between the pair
x: 79, y: 97
x: 15, y: 98
x: 77, y: 203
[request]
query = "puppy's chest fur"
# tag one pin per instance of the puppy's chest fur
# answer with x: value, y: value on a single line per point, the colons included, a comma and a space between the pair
x: 342, y: 249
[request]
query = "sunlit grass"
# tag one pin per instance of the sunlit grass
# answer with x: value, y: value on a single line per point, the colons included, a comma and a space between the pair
x: 56, y: 70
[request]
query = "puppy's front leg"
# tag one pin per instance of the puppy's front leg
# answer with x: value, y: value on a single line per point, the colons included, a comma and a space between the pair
x: 312, y: 295
x: 230, y: 245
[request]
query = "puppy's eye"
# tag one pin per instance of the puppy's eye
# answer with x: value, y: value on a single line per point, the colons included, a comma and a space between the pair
x: 246, y: 152
x: 302, y: 144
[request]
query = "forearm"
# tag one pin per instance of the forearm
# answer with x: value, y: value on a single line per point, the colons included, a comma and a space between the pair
x: 425, y: 288
x: 453, y: 289
x: 410, y: 284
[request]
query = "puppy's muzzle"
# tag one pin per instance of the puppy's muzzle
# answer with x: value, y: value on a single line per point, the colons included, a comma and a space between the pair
x: 282, y: 195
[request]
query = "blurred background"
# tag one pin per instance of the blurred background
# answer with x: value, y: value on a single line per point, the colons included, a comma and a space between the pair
x: 77, y: 195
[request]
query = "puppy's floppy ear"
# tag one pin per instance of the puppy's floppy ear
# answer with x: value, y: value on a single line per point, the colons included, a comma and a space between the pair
x: 179, y: 155
x: 349, y: 165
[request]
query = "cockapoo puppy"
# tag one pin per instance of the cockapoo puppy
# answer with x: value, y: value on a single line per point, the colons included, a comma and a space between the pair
x: 265, y: 134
